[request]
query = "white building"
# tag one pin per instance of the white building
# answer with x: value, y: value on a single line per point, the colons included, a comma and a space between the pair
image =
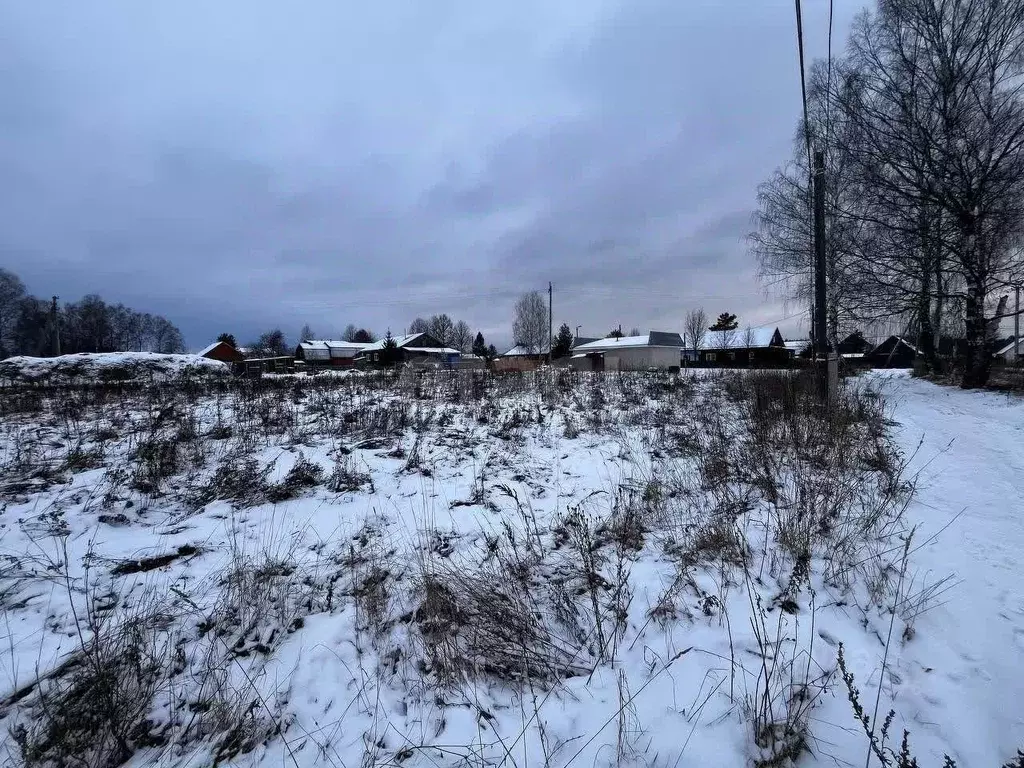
x: 655, y: 349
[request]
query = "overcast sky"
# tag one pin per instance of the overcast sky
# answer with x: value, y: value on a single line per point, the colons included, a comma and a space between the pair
x: 243, y: 164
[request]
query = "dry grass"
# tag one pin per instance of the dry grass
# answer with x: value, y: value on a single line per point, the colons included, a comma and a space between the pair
x: 744, y: 481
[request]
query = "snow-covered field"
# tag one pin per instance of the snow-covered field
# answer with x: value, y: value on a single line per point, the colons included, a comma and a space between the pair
x: 108, y: 366
x: 553, y: 569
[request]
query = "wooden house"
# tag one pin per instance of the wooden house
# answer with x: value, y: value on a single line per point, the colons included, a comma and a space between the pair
x: 894, y: 352
x: 420, y: 349
x: 221, y: 350
x: 745, y: 346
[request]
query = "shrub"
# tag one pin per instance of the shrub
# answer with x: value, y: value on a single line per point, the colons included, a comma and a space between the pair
x: 95, y: 713
x: 304, y: 474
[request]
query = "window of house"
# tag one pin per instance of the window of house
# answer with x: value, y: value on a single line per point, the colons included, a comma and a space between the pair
x: 711, y: 357
x: 730, y: 355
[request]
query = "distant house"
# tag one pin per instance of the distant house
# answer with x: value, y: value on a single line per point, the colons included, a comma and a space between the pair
x: 854, y: 346
x: 745, y: 346
x: 1007, y: 351
x: 221, y: 350
x: 413, y: 348
x: 894, y: 352
x: 654, y: 349
x: 521, y: 358
x: 328, y: 353
x: 798, y: 347
x: 254, y: 367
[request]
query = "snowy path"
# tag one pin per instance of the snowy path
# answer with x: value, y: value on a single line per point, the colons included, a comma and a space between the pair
x: 963, y: 673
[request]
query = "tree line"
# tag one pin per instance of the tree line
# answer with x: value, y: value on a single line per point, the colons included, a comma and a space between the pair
x: 29, y: 326
x: 922, y: 127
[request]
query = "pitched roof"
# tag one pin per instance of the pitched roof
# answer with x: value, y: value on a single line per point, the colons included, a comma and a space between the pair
x: 649, y: 339
x: 519, y: 350
x: 1009, y: 346
x: 401, y: 341
x: 323, y: 349
x: 737, y: 339
x: 882, y: 349
x: 207, y: 350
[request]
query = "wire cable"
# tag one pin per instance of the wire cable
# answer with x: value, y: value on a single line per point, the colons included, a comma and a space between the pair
x: 803, y: 78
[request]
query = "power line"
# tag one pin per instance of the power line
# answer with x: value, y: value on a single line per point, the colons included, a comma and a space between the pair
x: 803, y: 79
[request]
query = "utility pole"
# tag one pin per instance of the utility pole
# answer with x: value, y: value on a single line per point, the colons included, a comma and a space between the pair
x: 1016, y: 324
x: 578, y: 333
x: 550, y: 316
x: 825, y: 362
x: 54, y: 329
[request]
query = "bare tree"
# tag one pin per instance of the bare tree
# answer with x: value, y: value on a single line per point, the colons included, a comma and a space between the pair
x: 749, y: 340
x: 530, y: 323
x: 166, y: 337
x: 462, y: 336
x: 924, y: 183
x: 696, y: 328
x: 419, y: 325
x: 306, y: 334
x: 958, y: 66
x: 12, y: 290
x: 349, y: 334
x: 441, y: 328
x: 783, y: 239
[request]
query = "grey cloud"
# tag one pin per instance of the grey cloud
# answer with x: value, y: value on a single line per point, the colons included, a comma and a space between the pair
x: 237, y: 166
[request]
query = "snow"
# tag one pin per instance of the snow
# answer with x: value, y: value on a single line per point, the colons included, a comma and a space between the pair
x: 612, y: 343
x: 208, y: 349
x: 434, y: 350
x: 319, y: 350
x: 963, y: 683
x: 956, y: 684
x: 86, y: 366
x: 520, y: 350
x: 741, y: 338
x: 400, y: 341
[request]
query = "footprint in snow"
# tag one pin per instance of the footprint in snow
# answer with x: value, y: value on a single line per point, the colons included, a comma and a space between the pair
x: 829, y: 639
x: 1018, y: 638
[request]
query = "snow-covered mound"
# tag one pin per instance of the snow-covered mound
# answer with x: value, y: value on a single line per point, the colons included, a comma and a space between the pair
x: 109, y: 366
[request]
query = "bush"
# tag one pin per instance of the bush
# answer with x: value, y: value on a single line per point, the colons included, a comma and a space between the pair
x: 304, y: 474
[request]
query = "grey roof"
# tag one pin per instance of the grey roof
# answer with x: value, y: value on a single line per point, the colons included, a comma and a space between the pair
x: 324, y: 349
x: 649, y: 339
x: 664, y: 339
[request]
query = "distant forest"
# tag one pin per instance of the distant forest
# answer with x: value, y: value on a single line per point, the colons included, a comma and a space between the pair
x: 88, y: 325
